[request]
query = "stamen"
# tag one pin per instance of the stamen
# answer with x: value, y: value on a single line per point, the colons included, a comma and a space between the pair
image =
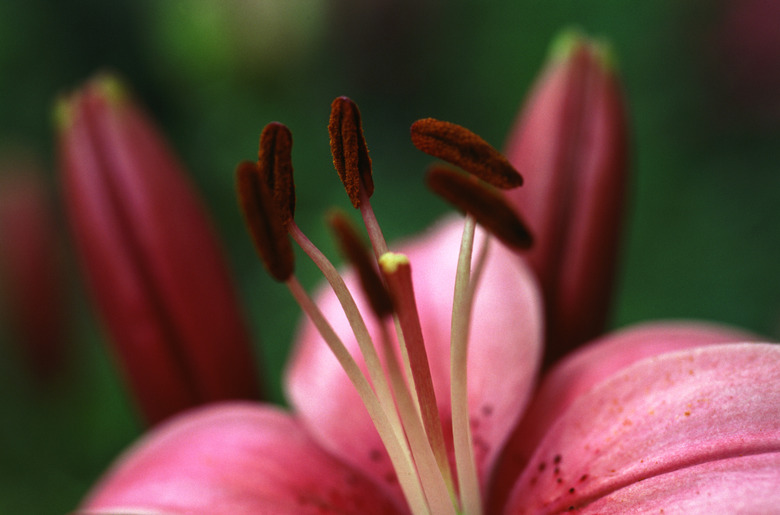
x: 398, y: 275
x: 488, y: 206
x: 348, y: 146
x: 354, y: 250
x: 396, y: 448
x: 375, y: 235
x: 356, y: 322
x: 400, y: 401
x: 479, y: 267
x: 350, y: 157
x: 264, y: 222
x: 461, y: 147
x: 468, y: 481
x: 275, y: 164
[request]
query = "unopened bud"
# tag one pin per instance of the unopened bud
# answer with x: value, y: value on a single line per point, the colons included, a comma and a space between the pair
x: 148, y: 250
x: 570, y: 144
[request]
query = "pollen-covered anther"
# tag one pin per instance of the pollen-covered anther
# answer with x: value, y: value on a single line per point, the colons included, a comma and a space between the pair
x: 274, y: 160
x: 461, y: 147
x: 487, y: 205
x: 264, y: 221
x: 348, y: 146
x: 355, y: 251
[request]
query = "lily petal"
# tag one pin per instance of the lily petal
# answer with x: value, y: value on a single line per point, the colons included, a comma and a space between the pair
x: 233, y: 458
x: 504, y: 354
x: 588, y: 366
x: 683, y: 413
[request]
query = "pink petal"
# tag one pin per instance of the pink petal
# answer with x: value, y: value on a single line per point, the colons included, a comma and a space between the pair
x: 236, y: 458
x: 581, y: 371
x: 503, y: 355
x: 683, y: 412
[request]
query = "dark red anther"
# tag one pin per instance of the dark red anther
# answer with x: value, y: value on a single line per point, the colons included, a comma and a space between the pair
x: 264, y: 221
x: 488, y: 206
x: 461, y: 147
x: 348, y: 146
x: 274, y: 159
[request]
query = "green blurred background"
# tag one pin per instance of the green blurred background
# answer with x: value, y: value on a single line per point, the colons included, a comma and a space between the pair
x: 703, y: 85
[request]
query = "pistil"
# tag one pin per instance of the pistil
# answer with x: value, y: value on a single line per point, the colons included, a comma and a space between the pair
x: 398, y: 275
x: 435, y: 475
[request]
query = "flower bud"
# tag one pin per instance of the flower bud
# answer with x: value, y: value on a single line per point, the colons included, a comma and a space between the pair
x: 150, y: 255
x: 570, y: 144
x: 31, y: 269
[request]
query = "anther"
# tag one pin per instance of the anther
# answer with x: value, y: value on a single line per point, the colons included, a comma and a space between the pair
x: 264, y: 221
x: 348, y: 146
x: 461, y: 147
x: 355, y: 251
x: 275, y: 164
x: 488, y: 206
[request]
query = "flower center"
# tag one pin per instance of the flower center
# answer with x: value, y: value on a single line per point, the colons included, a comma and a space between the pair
x: 399, y: 397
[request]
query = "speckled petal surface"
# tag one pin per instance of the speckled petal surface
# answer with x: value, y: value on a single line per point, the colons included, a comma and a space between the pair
x: 677, y: 413
x: 580, y: 371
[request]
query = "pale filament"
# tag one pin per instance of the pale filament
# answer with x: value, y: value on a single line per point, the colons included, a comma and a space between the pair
x: 393, y: 398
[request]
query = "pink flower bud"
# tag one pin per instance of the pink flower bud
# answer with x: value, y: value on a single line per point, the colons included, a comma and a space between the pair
x: 570, y: 144
x: 150, y: 255
x: 30, y: 269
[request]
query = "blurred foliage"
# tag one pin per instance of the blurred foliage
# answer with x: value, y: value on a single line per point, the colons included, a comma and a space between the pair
x: 702, y: 239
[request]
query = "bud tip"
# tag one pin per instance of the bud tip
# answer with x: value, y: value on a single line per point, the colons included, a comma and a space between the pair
x: 570, y: 40
x: 62, y: 115
x: 110, y: 87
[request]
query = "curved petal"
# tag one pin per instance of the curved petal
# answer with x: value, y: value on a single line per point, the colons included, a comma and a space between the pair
x: 582, y: 370
x: 503, y: 354
x: 236, y: 458
x: 683, y: 413
x: 746, y: 484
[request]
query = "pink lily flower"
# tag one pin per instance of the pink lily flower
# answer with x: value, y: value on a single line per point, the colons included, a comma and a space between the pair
x: 694, y: 426
x: 151, y: 258
x: 658, y: 416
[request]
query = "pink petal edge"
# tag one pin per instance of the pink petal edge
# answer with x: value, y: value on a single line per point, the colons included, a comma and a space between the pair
x: 232, y: 458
